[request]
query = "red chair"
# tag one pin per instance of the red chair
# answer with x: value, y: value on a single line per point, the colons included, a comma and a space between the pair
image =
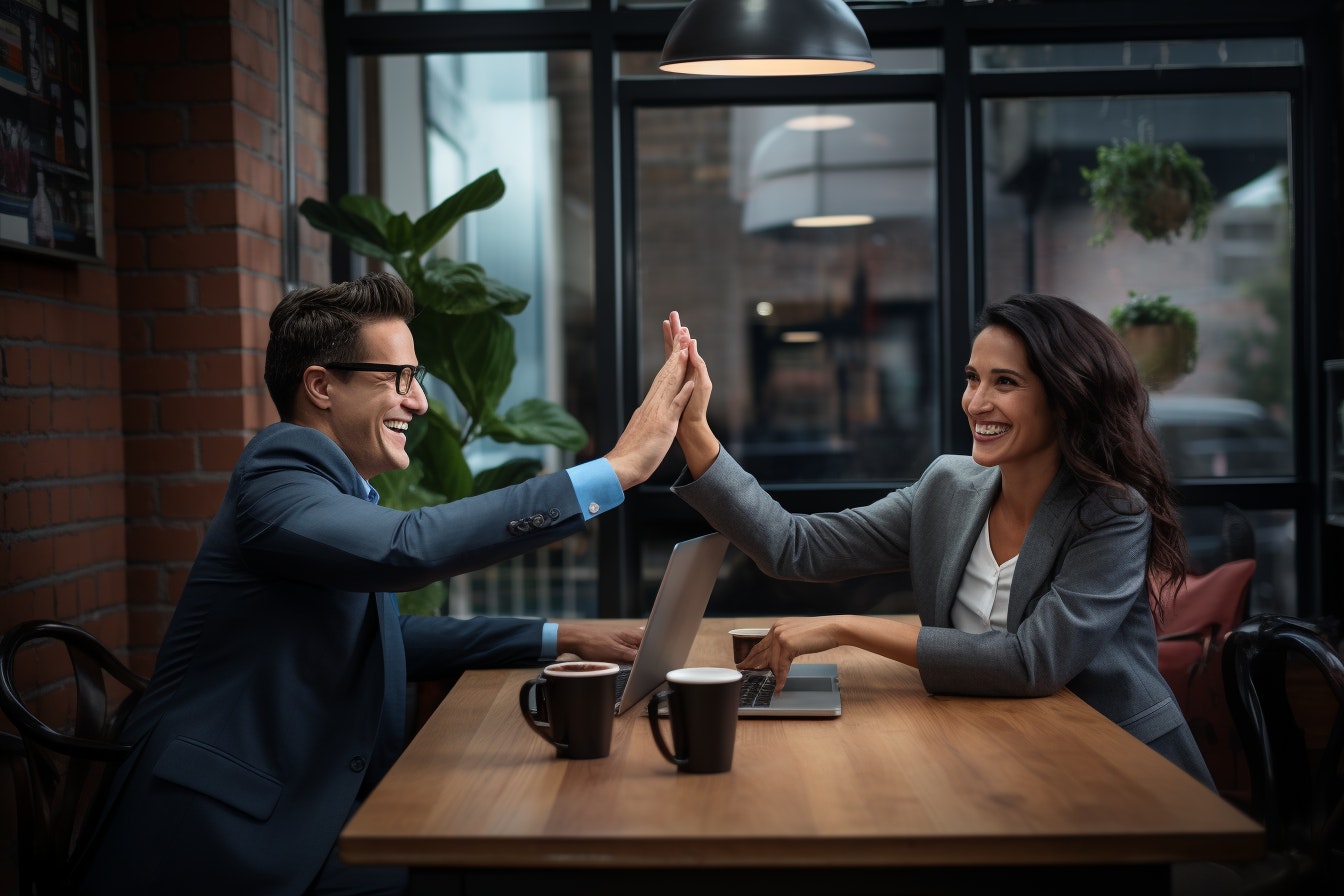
x: 1190, y: 639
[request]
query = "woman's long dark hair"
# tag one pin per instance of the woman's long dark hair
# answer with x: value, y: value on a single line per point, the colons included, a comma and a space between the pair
x: 1102, y: 410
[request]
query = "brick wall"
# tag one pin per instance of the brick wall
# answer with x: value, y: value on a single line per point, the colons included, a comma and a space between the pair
x: 128, y: 387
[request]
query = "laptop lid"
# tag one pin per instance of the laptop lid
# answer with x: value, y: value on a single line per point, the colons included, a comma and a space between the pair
x: 674, y: 620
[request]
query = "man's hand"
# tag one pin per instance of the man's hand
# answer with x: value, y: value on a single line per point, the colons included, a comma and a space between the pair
x: 598, y: 641
x: 648, y: 435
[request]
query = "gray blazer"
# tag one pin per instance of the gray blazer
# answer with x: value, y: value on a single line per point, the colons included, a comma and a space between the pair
x: 1078, y: 613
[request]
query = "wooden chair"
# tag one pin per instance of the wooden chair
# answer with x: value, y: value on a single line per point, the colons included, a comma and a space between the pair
x: 61, y: 776
x: 1288, y: 684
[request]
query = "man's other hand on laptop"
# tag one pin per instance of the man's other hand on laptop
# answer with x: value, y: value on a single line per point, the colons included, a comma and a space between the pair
x: 602, y: 641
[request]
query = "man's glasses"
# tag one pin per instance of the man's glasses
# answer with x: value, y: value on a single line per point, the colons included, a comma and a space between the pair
x: 405, y: 372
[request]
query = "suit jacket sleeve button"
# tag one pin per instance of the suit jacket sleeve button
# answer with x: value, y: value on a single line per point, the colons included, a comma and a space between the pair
x: 538, y: 520
x: 357, y: 764
x: 555, y: 513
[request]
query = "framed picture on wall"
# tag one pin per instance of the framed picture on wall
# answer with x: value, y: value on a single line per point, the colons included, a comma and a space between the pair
x: 49, y: 181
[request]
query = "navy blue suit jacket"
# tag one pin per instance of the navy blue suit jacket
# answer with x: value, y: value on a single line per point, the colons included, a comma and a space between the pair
x: 278, y: 695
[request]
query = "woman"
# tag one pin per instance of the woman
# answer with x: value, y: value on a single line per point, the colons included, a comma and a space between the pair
x: 1029, y: 559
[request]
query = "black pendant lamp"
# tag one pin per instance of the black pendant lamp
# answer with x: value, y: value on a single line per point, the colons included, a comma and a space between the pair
x: 766, y: 37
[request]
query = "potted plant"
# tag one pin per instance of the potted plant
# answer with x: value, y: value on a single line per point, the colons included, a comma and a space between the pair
x: 463, y: 339
x: 1161, y: 337
x: 1156, y: 188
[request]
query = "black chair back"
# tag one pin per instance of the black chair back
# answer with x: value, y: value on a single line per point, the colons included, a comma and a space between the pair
x: 61, y: 774
x: 1287, y: 684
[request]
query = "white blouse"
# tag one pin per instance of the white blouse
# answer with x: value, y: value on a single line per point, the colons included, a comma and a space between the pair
x: 982, y: 598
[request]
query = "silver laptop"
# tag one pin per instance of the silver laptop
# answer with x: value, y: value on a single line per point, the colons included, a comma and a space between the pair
x: 813, y: 689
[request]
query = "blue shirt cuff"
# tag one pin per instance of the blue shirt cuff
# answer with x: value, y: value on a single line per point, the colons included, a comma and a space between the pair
x: 550, y: 639
x: 596, y: 486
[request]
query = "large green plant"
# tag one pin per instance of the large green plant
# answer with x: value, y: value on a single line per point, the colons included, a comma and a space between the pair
x: 462, y: 337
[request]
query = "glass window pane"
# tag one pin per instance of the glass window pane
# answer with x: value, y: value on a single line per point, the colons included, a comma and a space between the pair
x: 819, y: 338
x: 1138, y: 55
x: 1231, y: 414
x: 440, y: 125
x: 1216, y: 535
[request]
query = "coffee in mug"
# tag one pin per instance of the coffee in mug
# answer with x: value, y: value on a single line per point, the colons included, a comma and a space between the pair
x: 702, y: 709
x: 744, y: 639
x: 571, y: 706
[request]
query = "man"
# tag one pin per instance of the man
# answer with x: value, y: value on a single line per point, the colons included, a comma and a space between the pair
x: 277, y: 699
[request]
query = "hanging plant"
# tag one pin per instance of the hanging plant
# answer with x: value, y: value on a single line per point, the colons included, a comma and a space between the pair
x: 1155, y: 188
x: 1161, y: 337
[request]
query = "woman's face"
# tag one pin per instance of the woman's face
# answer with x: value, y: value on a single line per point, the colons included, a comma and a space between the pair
x: 1005, y: 403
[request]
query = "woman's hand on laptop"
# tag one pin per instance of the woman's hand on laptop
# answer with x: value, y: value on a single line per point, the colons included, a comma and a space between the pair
x: 789, y: 639
x: 599, y: 641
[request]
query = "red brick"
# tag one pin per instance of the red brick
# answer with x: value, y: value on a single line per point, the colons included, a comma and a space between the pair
x: 29, y: 559
x: 239, y: 289
x: 257, y: 56
x: 150, y: 210
x: 256, y: 94
x: 39, y: 414
x: 21, y: 318
x: 191, y: 84
x: 131, y: 249
x: 42, y: 279
x: 155, y: 544
x: 225, y: 370
x: 13, y: 416
x: 221, y: 453
x: 191, y: 500
x: 145, y: 44
x: 193, y: 165
x: 260, y: 254
x: 210, y: 42
x: 189, y: 251
x: 134, y: 333
x: 150, y: 374
x: 13, y: 505
x: 212, y: 122
x: 177, y: 332
x: 159, y: 455
x: 141, y: 498
x: 191, y: 413
x: 138, y: 413
x: 148, y: 126
x: 129, y: 169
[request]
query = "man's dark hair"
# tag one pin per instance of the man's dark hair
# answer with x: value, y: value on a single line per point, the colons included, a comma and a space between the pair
x: 322, y: 324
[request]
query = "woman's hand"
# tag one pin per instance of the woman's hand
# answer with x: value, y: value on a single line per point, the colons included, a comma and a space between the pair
x: 697, y: 440
x: 791, y: 638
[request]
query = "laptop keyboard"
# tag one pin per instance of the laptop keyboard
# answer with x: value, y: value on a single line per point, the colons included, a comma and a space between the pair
x: 622, y: 679
x: 758, y: 688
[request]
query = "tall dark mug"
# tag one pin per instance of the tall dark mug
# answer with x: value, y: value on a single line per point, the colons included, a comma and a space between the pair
x: 571, y: 706
x: 702, y: 709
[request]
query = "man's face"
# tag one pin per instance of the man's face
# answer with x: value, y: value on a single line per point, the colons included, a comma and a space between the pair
x: 369, y: 420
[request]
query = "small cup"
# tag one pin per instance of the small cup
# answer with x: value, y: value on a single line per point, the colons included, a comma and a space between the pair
x: 702, y: 708
x: 574, y: 706
x: 743, y: 640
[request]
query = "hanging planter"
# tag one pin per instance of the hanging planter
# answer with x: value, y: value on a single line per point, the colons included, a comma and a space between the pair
x: 1155, y: 188
x: 1161, y: 337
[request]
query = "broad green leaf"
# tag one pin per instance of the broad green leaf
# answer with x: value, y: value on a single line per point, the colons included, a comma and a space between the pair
x: 473, y: 355
x: 511, y: 472
x: 464, y: 288
x: 440, y: 454
x: 434, y: 225
x: 370, y: 208
x: 537, y: 421
x: 362, y: 235
x: 398, y: 229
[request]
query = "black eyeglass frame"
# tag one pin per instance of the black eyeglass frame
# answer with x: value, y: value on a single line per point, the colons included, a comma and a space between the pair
x: 403, y: 377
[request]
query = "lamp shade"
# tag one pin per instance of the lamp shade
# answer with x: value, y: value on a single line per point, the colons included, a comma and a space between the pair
x: 766, y: 37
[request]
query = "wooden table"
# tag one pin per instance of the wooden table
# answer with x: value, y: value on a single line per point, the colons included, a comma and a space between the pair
x: 904, y: 792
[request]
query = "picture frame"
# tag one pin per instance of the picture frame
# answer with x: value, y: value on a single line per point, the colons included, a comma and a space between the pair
x: 50, y: 184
